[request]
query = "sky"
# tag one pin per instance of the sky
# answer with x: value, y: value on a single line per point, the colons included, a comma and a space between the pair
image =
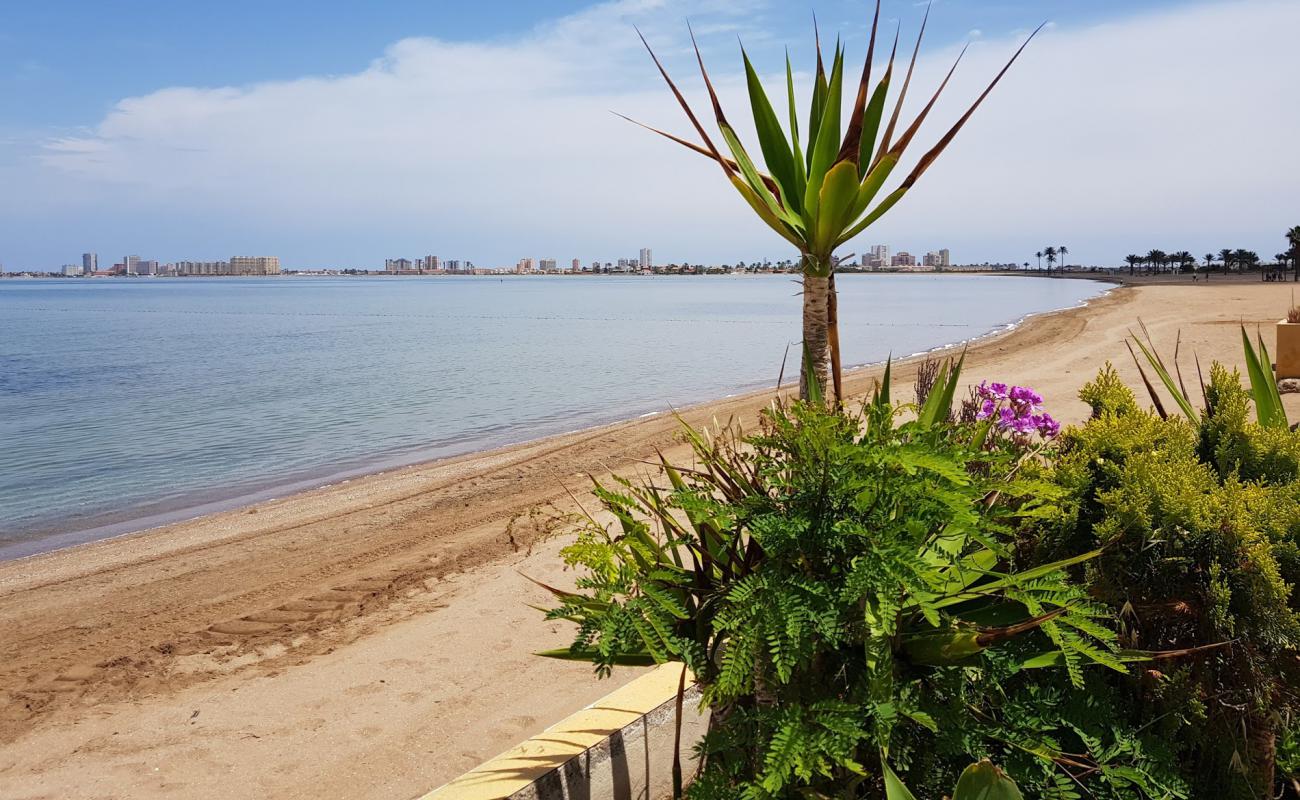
x: 338, y: 134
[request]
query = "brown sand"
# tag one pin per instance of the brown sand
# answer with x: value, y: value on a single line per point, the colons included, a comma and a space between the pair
x: 371, y: 639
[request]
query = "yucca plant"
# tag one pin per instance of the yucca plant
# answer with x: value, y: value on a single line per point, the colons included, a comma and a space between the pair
x: 1264, y: 391
x: 821, y: 192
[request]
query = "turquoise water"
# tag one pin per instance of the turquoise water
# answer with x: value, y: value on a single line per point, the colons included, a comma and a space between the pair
x: 127, y: 403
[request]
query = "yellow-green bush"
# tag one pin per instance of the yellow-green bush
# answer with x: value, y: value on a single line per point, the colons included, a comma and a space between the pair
x: 1199, y: 527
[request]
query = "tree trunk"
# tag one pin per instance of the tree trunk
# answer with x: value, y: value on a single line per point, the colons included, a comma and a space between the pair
x: 833, y: 339
x: 816, y: 333
x: 1263, y: 754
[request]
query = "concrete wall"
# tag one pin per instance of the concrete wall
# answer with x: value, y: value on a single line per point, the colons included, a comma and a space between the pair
x: 618, y: 748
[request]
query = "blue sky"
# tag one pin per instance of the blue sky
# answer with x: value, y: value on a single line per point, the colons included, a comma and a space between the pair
x: 338, y: 134
x: 66, y: 62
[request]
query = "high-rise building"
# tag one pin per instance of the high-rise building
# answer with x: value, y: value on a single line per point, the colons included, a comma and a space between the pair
x: 131, y: 263
x: 202, y: 267
x: 577, y: 266
x: 646, y: 261
x: 255, y: 265
x: 146, y: 267
x: 432, y: 263
x: 524, y: 266
x: 547, y: 265
x: 880, y: 252
x: 903, y: 259
x: 89, y: 262
x: 937, y: 259
x: 72, y: 270
x: 453, y: 265
x: 945, y: 258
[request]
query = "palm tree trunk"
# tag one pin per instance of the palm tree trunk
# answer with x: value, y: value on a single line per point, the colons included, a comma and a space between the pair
x: 816, y: 332
x: 833, y: 339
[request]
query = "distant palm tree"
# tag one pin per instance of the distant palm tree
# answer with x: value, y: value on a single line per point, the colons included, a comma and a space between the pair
x: 1209, y: 261
x: 1050, y: 252
x: 1183, y: 258
x: 1293, y: 239
x: 1245, y: 258
x: 1226, y: 256
x: 1039, y: 254
x: 1133, y: 260
x: 1157, y: 259
x: 1062, y: 251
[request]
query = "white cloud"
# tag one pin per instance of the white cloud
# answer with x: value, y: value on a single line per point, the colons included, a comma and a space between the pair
x: 1170, y: 130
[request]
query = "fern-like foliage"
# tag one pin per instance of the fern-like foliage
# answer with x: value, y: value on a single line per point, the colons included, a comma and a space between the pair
x: 843, y: 585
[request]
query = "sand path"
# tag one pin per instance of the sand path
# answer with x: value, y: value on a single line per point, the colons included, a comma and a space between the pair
x: 371, y: 639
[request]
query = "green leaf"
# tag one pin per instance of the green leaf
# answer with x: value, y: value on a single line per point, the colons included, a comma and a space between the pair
x: 765, y: 213
x: 889, y: 202
x: 942, y: 648
x: 1184, y: 403
x: 839, y: 191
x: 950, y: 389
x: 1263, y: 386
x: 592, y: 656
x: 871, y: 124
x: 800, y: 170
x: 894, y: 787
x: 826, y: 145
x: 818, y: 104
x: 771, y: 139
x: 773, y: 200
x: 815, y: 397
x: 1018, y: 578
x: 983, y: 781
x: 939, y: 403
x: 871, y: 185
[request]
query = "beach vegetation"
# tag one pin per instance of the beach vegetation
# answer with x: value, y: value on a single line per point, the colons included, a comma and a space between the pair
x: 871, y: 600
x: 850, y: 591
x: 822, y: 185
x: 1197, y: 517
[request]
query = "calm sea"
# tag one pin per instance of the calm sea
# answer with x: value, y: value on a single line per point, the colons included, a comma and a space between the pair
x: 129, y: 403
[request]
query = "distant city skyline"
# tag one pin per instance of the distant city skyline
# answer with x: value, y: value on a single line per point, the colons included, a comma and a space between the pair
x: 1077, y: 145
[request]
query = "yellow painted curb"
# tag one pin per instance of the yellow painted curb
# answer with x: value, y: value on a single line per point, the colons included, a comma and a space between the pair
x: 523, y: 764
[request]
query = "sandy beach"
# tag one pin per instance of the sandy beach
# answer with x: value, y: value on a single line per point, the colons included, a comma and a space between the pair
x: 372, y: 639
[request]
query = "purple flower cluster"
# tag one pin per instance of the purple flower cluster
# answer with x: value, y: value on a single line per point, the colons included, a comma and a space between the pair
x: 1016, y: 409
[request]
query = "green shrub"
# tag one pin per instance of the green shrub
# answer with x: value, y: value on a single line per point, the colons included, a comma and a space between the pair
x: 870, y: 606
x: 1235, y: 445
x: 1198, y: 524
x: 1108, y: 394
x: 842, y: 588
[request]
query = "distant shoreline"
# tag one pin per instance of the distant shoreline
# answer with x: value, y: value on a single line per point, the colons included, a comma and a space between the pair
x: 1099, y: 275
x: 1116, y: 275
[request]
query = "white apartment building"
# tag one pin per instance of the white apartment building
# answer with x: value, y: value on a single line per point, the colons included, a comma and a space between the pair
x: 255, y: 265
